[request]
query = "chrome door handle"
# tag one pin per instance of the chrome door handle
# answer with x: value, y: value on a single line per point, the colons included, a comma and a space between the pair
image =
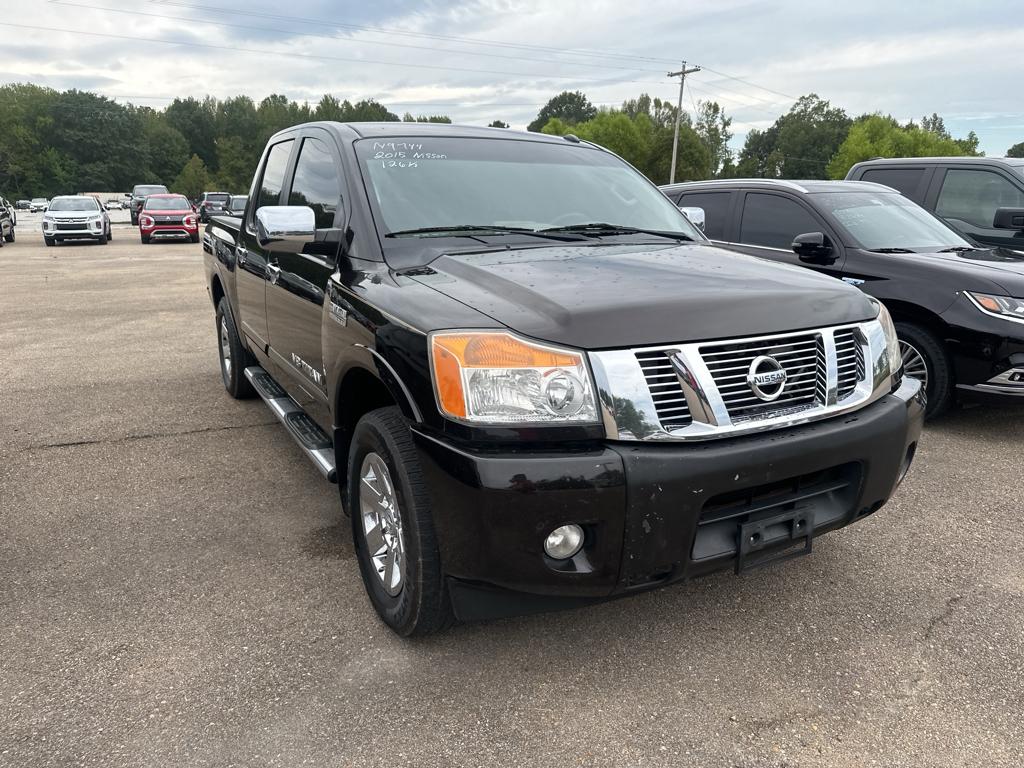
x: 241, y: 254
x: 273, y: 272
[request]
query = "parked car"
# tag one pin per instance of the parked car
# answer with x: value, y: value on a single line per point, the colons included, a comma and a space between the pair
x: 958, y: 308
x: 236, y: 206
x: 168, y: 217
x: 76, y: 217
x: 982, y: 197
x: 11, y: 209
x: 212, y: 204
x: 139, y: 194
x: 23, y: 205
x: 7, y: 225
x: 39, y: 204
x: 113, y: 205
x: 535, y: 382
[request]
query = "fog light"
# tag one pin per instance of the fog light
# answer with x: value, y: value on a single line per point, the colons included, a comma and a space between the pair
x: 564, y: 542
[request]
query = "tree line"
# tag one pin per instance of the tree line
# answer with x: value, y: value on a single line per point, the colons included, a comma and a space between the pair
x: 55, y: 142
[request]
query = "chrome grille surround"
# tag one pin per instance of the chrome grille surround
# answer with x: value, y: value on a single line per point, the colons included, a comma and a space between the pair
x: 698, y: 391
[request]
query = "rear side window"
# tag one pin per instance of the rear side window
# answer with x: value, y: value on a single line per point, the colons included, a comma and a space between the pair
x: 316, y: 182
x: 773, y: 221
x: 274, y: 169
x: 905, y: 180
x: 716, y: 209
x: 974, y: 195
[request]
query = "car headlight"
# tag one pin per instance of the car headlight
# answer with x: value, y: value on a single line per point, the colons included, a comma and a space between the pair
x: 1003, y: 306
x: 493, y: 377
x: 892, y: 342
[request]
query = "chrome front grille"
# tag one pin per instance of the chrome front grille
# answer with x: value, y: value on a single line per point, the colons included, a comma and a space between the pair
x: 661, y: 378
x: 730, y: 363
x: 705, y: 390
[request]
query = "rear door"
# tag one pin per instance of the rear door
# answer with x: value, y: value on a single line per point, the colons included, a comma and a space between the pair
x: 969, y: 196
x: 717, y: 207
x: 769, y: 221
x: 250, y: 258
x: 910, y: 180
x: 298, y: 281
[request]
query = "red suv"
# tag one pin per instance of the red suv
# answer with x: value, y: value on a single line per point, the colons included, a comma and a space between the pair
x: 168, y: 216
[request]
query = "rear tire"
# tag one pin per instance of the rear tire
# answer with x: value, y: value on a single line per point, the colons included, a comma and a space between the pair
x: 234, y: 357
x: 393, y: 527
x: 922, y: 349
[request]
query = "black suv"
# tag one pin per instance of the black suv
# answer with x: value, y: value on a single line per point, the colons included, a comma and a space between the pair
x: 139, y: 194
x: 982, y: 197
x: 533, y: 379
x: 959, y: 309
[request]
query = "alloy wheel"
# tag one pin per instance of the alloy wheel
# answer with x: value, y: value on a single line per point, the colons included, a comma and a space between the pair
x: 225, y: 347
x: 382, y: 523
x: 914, y: 363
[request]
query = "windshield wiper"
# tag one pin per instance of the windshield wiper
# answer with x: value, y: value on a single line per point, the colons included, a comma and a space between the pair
x: 891, y: 250
x: 961, y: 249
x: 600, y: 228
x: 479, y: 229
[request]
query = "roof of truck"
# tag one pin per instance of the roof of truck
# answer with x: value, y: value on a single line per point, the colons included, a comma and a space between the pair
x: 435, y: 130
x: 805, y: 186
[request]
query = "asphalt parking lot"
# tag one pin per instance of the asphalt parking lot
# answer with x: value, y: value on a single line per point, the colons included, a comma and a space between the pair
x: 177, y: 587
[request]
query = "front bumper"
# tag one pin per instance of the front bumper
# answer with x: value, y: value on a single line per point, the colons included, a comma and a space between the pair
x: 170, y: 232
x: 59, y: 230
x: 653, y: 513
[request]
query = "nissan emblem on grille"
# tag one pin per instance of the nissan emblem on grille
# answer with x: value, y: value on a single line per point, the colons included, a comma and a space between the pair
x: 766, y: 377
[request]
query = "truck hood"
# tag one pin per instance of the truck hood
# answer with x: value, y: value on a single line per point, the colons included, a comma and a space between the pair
x: 605, y: 296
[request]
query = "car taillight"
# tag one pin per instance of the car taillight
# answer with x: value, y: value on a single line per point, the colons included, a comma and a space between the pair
x: 146, y: 221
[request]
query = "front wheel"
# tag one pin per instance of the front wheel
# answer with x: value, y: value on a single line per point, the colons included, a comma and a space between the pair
x: 194, y: 238
x: 135, y: 220
x: 234, y: 357
x: 145, y: 239
x: 102, y: 239
x: 49, y: 241
x: 393, y: 527
x: 925, y: 358
x: 9, y: 237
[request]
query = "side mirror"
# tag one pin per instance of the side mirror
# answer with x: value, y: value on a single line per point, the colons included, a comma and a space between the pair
x: 285, y: 228
x: 813, y: 248
x: 1009, y: 218
x: 695, y: 215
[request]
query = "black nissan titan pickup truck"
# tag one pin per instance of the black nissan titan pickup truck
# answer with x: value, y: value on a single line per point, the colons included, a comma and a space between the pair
x: 535, y: 382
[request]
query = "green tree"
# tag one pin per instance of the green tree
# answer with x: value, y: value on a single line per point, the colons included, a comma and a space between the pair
x: 193, y: 180
x: 712, y: 126
x: 571, y: 106
x: 497, y: 124
x: 799, y: 145
x: 196, y: 121
x: 409, y: 118
x: 878, y: 136
x: 236, y: 164
x: 1017, y: 150
x: 165, y: 147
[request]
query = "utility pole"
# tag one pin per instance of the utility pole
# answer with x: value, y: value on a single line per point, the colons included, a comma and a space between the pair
x: 681, y: 74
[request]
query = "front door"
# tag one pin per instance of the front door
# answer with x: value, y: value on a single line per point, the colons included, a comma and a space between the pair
x: 251, y: 260
x: 968, y: 201
x: 297, y: 283
x: 768, y: 223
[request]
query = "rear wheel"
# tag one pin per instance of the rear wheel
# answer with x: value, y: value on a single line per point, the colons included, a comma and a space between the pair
x: 234, y: 357
x: 925, y: 358
x: 393, y: 527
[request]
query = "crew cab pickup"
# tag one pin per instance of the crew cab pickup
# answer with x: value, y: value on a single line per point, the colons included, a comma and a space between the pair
x: 535, y: 382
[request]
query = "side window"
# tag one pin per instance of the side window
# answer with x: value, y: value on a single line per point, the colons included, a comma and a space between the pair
x: 773, y: 221
x: 317, y: 182
x: 974, y: 195
x: 272, y: 180
x: 906, y: 180
x: 716, y: 209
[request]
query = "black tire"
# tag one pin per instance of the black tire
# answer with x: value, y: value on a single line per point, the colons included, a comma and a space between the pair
x: 110, y: 234
x: 194, y: 238
x: 135, y: 219
x: 49, y: 241
x: 102, y: 239
x: 9, y: 237
x: 232, y: 371
x: 939, y: 368
x: 145, y: 239
x: 422, y: 605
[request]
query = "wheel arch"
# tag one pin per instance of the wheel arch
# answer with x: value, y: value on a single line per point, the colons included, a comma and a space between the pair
x: 903, y: 311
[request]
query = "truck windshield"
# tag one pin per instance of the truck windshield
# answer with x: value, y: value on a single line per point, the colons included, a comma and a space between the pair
x: 217, y: 197
x: 150, y: 190
x: 885, y: 220
x: 424, y: 182
x: 74, y: 204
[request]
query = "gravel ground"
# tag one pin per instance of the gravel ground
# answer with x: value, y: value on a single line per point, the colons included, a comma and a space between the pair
x: 177, y: 587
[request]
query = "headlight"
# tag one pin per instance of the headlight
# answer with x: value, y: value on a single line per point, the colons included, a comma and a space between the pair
x: 892, y: 342
x: 494, y: 377
x: 1004, y: 306
x: 146, y: 221
x: 190, y: 221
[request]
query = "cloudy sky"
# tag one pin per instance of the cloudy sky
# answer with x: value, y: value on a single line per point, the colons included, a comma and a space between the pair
x: 480, y: 60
